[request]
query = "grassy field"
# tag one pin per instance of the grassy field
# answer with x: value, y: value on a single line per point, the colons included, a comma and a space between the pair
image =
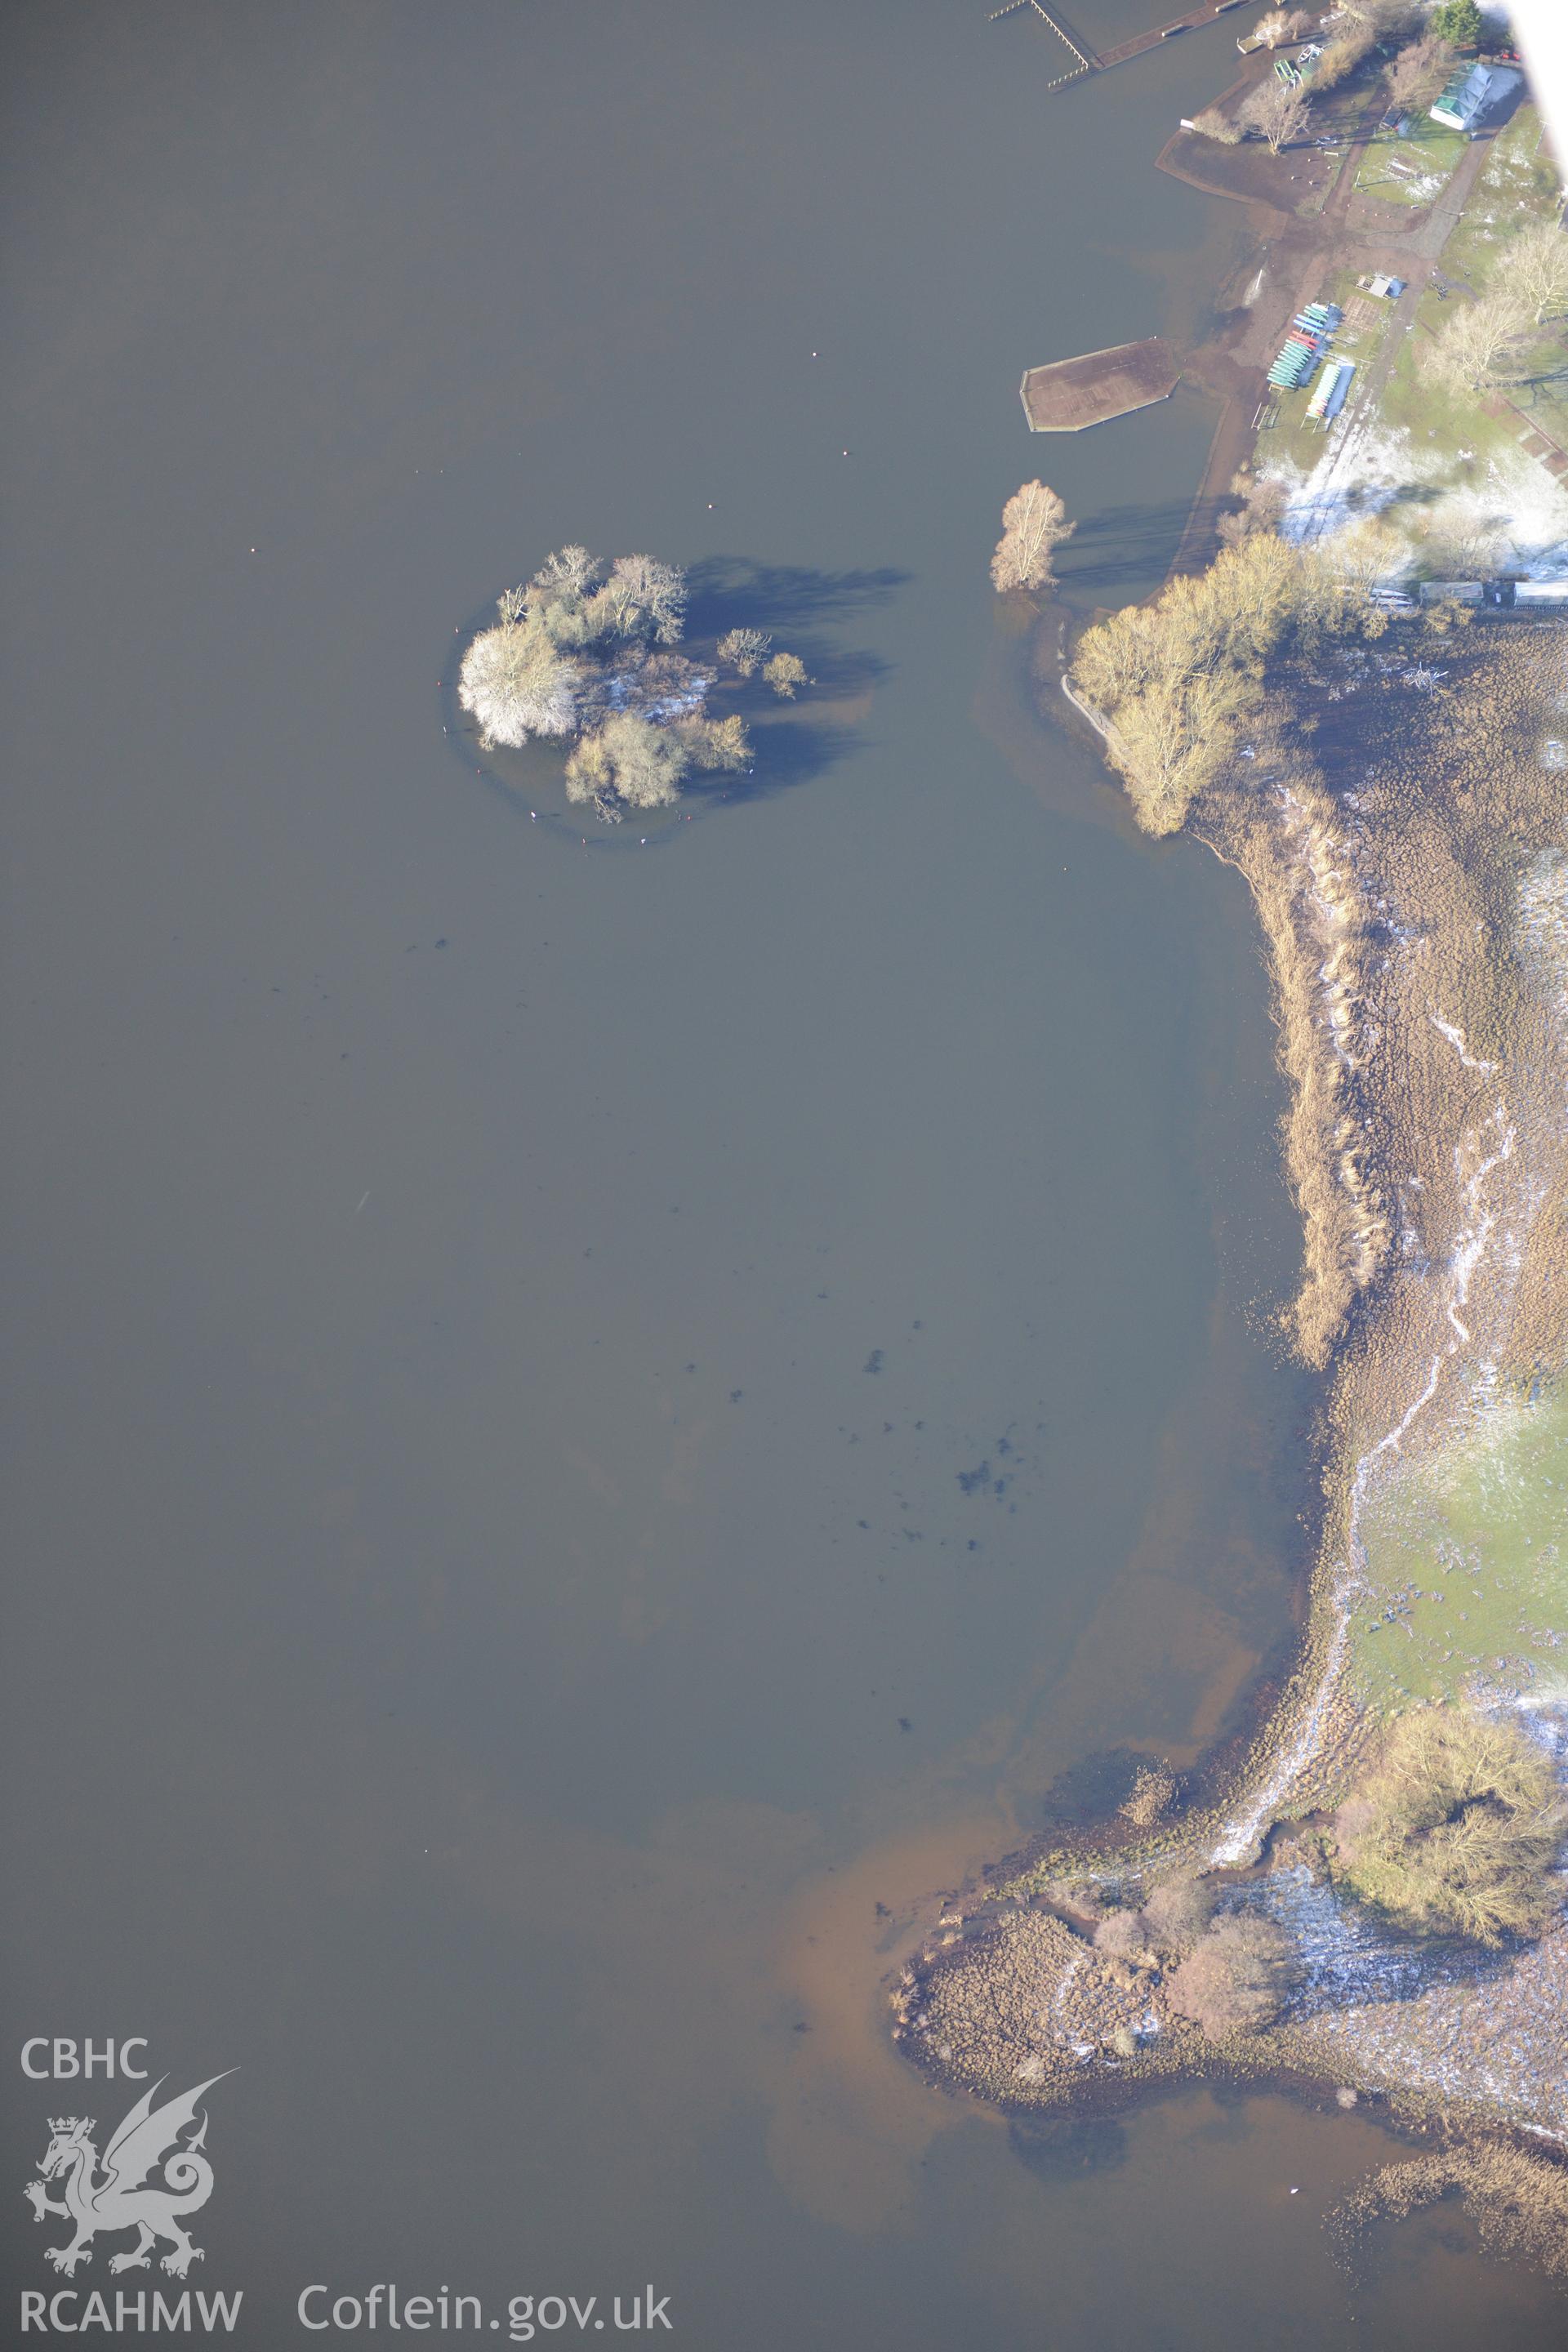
x: 1430, y: 413
x: 1411, y: 171
x: 1517, y: 187
x: 1467, y: 1560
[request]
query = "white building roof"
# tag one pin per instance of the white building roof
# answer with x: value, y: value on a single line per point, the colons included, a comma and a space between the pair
x: 1466, y: 100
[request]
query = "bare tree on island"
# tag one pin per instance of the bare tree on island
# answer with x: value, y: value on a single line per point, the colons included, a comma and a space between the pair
x: 746, y: 649
x: 629, y: 757
x: 1034, y: 524
x: 786, y: 674
x: 593, y: 651
x: 515, y: 682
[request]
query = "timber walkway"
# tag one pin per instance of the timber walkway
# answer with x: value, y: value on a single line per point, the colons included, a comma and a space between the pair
x: 1101, y: 61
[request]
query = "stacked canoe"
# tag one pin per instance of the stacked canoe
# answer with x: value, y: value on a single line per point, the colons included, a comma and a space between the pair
x: 1311, y: 332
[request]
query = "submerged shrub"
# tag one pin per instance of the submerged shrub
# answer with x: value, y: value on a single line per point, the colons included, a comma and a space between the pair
x: 1458, y: 1829
x: 1034, y: 524
x: 746, y: 649
x: 631, y: 758
x: 786, y: 674
x: 721, y: 743
x: 1518, y: 2202
x: 1152, y: 1795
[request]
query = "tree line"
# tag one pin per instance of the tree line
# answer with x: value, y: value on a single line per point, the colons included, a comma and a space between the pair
x: 1177, y: 681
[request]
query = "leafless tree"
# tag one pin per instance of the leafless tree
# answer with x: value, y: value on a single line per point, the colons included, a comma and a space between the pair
x: 1383, y: 17
x: 1276, y: 108
x: 560, y: 598
x: 715, y: 742
x: 571, y: 573
x: 1534, y: 267
x: 1365, y: 555
x: 1343, y: 53
x: 745, y: 649
x: 1415, y: 77
x: 1264, y: 501
x: 1034, y: 524
x: 1214, y: 122
x: 786, y: 673
x: 1177, y: 1910
x: 629, y: 760
x: 516, y: 684
x: 1235, y: 1979
x: 647, y: 598
x: 1479, y: 348
x: 1174, y: 736
x: 1282, y: 24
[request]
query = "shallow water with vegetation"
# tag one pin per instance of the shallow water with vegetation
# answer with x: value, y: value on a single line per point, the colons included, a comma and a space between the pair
x: 591, y: 1429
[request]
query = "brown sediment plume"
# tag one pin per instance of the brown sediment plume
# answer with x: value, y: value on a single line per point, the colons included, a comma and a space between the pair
x: 1401, y: 816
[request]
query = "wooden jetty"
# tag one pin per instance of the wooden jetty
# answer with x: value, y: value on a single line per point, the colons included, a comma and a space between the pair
x: 1069, y: 394
x: 1101, y: 61
x: 1084, y: 60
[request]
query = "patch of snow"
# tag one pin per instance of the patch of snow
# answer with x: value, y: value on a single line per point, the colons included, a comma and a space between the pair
x: 1515, y: 514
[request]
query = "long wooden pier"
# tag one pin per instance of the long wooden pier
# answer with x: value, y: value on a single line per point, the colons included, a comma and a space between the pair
x: 1085, y: 60
x: 1101, y: 61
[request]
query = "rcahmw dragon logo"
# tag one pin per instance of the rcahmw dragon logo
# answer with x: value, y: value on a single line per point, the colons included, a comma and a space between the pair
x: 126, y: 2197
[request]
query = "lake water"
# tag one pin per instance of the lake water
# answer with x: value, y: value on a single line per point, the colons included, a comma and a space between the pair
x: 588, y: 1427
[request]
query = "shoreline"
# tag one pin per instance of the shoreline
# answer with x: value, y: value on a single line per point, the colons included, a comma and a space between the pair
x: 1428, y: 1149
x: 1410, y: 1361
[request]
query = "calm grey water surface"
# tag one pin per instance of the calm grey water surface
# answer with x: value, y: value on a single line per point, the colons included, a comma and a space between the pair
x: 502, y: 1333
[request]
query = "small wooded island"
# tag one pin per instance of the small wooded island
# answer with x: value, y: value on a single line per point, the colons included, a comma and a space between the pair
x: 585, y: 652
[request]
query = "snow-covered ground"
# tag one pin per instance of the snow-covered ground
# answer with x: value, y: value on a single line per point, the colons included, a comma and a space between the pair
x: 1506, y: 513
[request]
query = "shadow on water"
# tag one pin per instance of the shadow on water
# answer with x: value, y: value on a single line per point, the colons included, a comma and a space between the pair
x: 1130, y: 543
x: 730, y: 592
x: 792, y: 751
x: 529, y: 785
x: 1067, y: 2148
